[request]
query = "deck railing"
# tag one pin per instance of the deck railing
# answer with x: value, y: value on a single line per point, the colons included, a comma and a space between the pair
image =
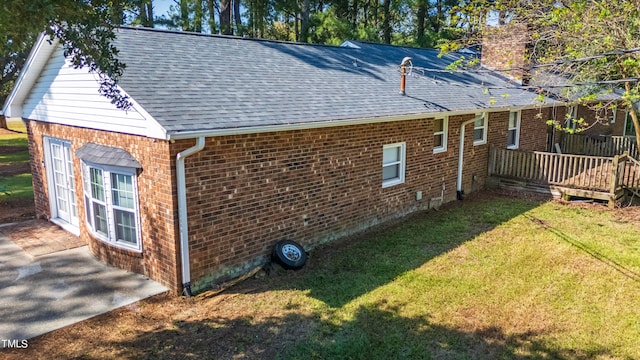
x: 609, y: 146
x: 630, y: 178
x: 576, y: 171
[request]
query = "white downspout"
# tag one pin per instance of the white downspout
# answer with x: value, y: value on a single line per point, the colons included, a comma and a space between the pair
x: 459, y: 192
x: 182, y: 213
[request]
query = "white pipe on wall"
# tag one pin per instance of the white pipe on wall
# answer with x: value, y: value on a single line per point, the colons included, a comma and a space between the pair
x: 182, y: 212
x: 459, y: 192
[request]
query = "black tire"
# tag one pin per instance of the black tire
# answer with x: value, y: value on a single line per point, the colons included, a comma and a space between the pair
x: 289, y: 254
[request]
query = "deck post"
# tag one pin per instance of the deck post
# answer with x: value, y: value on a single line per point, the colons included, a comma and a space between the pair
x: 492, y: 159
x: 613, y: 184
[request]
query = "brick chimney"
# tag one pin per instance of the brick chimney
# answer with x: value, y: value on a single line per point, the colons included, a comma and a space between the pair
x: 506, y: 47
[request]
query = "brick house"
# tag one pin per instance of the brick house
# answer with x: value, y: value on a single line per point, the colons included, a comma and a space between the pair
x: 233, y: 144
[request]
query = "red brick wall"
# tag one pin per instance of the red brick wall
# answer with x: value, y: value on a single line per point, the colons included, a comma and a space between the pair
x: 600, y: 126
x: 505, y: 47
x: 158, y: 215
x: 534, y: 129
x: 246, y: 192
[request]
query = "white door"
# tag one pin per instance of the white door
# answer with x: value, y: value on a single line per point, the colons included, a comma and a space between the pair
x: 63, y: 183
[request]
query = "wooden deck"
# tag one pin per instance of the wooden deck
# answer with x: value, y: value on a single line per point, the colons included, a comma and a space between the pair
x: 607, y: 146
x: 595, y: 177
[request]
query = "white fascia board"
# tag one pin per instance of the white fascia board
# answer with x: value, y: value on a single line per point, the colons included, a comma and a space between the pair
x: 334, y: 123
x: 36, y: 61
x: 154, y: 129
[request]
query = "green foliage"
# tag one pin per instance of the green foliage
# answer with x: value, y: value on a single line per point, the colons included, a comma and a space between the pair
x: 16, y: 186
x: 327, y: 28
x: 581, y: 42
x: 85, y: 30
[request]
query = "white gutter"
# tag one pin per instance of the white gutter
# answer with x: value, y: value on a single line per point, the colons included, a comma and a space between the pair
x: 182, y: 213
x: 325, y: 124
x: 459, y: 192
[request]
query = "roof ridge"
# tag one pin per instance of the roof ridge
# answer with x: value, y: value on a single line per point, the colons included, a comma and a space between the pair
x: 393, y: 46
x: 220, y: 36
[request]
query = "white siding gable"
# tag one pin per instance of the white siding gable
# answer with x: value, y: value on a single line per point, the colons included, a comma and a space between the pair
x: 69, y: 96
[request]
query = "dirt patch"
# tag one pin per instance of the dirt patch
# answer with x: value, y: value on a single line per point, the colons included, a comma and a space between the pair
x: 4, y: 131
x: 629, y: 214
x: 13, y: 169
x: 13, y: 149
x: 16, y: 210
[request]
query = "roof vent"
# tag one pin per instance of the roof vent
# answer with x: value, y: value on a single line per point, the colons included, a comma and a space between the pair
x: 403, y: 73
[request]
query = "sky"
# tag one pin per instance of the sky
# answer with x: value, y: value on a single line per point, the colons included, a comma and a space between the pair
x: 161, y: 7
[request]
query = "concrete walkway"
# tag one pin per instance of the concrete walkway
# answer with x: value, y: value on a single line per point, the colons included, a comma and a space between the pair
x: 44, y: 293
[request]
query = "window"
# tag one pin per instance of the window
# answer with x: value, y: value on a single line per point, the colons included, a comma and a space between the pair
x: 629, y: 129
x: 513, y: 134
x: 111, y: 206
x: 393, y: 164
x: 571, y: 117
x: 480, y: 130
x: 440, y: 135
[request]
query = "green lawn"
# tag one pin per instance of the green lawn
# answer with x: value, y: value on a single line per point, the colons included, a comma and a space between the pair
x: 487, y: 278
x: 14, y: 151
x: 542, y: 281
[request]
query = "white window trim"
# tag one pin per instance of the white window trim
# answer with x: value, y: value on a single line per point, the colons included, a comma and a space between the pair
x: 401, y: 162
x: 107, y: 170
x: 445, y: 135
x: 72, y: 227
x: 614, y: 116
x: 484, y: 128
x: 517, y: 129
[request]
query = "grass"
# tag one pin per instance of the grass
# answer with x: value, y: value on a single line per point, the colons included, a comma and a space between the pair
x: 14, y: 151
x: 490, y: 278
x: 546, y: 282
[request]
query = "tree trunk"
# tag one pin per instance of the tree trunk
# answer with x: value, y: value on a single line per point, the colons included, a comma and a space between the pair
x: 634, y: 115
x: 184, y: 15
x: 439, y: 17
x: 225, y: 17
x: 145, y: 9
x: 213, y: 28
x: 198, y: 16
x: 374, y: 12
x: 420, y: 20
x: 3, y: 122
x: 117, y: 13
x: 150, y: 19
x: 238, y: 19
x: 354, y: 14
x: 386, y: 21
x: 142, y: 9
x: 304, y: 22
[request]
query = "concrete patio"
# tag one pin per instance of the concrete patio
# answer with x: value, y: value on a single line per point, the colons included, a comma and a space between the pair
x: 51, y: 290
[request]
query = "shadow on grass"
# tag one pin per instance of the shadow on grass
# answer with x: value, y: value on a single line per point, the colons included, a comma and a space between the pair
x: 344, y: 270
x: 376, y: 332
x: 621, y: 268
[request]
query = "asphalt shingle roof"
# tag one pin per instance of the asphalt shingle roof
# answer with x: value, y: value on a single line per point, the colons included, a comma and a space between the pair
x: 191, y: 82
x: 107, y: 155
